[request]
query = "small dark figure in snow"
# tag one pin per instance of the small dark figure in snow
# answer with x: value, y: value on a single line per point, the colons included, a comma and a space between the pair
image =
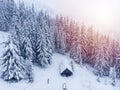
x: 98, y: 79
x: 48, y: 81
x: 64, y: 86
x: 113, y: 83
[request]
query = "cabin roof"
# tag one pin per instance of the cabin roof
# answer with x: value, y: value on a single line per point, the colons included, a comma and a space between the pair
x: 65, y: 64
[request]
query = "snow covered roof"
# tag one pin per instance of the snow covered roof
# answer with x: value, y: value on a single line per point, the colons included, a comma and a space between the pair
x: 65, y: 64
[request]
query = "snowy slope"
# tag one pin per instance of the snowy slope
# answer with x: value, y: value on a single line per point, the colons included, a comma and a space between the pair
x: 82, y: 79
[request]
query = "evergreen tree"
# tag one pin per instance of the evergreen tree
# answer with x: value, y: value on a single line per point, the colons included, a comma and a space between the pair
x: 117, y: 67
x: 113, y: 52
x: 97, y: 44
x: 23, y: 15
x: 83, y: 43
x: 102, y: 66
x: 26, y: 53
x: 3, y: 21
x: 67, y: 31
x: 113, y: 75
x: 20, y: 37
x: 60, y: 36
x: 90, y: 46
x: 45, y: 45
x: 13, y: 64
x: 6, y: 13
x: 50, y: 25
x: 75, y: 51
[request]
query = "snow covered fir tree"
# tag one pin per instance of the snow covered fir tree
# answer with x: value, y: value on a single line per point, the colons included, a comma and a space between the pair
x: 33, y: 37
x: 13, y: 64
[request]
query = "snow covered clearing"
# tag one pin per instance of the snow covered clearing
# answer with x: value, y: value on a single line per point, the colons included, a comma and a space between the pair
x: 81, y: 80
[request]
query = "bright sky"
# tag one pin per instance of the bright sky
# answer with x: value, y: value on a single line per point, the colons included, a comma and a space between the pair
x: 104, y: 15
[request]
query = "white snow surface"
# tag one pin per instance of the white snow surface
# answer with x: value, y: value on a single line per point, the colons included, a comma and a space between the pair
x: 82, y: 79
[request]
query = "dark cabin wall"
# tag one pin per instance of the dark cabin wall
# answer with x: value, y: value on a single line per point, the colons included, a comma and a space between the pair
x: 66, y: 73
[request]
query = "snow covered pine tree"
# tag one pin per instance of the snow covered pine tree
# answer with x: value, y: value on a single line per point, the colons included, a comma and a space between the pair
x: 45, y: 45
x: 13, y: 63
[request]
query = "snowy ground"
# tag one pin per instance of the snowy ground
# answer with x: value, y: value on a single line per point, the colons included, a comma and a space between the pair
x: 83, y: 79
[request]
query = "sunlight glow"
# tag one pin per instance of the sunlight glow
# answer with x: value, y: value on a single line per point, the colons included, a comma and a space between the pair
x: 105, y: 14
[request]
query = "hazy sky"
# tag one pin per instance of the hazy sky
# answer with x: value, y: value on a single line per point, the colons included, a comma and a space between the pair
x: 104, y: 15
